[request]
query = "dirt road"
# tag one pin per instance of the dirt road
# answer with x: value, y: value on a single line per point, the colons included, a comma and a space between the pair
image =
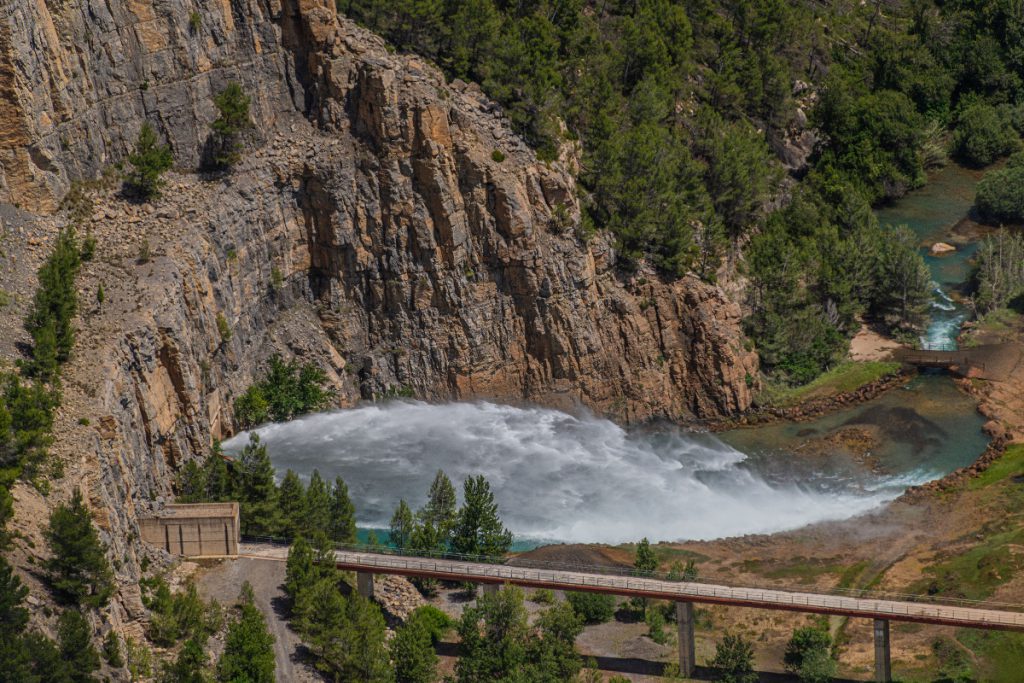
x: 223, y: 582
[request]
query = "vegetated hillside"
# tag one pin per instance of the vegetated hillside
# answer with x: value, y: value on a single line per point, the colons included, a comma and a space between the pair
x: 688, y: 112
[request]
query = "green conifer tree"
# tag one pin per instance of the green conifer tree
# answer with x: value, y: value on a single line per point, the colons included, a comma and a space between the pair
x: 79, y: 567
x: 402, y: 526
x: 292, y: 503
x: 412, y: 650
x: 257, y: 489
x: 478, y: 530
x: 149, y: 161
x: 318, y: 505
x: 74, y: 638
x: 233, y: 108
x: 343, y: 514
x: 248, y: 647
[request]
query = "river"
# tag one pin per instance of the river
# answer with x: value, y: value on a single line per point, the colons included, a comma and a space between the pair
x: 581, y: 478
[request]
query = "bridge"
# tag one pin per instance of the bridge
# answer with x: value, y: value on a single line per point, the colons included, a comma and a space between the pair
x: 880, y: 607
x: 990, y: 361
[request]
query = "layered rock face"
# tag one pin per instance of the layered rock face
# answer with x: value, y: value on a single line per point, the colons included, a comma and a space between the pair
x: 384, y: 223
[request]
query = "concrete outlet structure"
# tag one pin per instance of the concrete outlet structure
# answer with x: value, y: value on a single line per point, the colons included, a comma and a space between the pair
x: 194, y: 530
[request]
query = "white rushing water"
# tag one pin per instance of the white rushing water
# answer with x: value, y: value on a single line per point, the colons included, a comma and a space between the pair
x: 556, y: 476
x: 946, y: 320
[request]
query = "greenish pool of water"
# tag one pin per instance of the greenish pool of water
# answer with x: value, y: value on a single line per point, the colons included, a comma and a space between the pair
x: 906, y: 437
x: 941, y: 212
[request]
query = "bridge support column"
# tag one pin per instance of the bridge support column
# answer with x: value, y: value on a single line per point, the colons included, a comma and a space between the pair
x: 687, y: 650
x: 491, y: 588
x: 883, y: 663
x: 364, y: 584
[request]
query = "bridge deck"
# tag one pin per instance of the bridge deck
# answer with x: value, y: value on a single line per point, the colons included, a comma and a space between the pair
x: 992, y: 361
x: 895, y: 610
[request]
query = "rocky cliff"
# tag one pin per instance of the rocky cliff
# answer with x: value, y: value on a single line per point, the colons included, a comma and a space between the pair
x: 385, y: 223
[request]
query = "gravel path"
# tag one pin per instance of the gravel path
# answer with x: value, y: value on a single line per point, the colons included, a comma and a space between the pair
x: 223, y: 583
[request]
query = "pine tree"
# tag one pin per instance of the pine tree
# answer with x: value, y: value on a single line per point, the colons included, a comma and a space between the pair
x: 365, y: 643
x: 495, y: 636
x: 437, y: 518
x: 258, y: 492
x: 50, y: 320
x: 402, y: 526
x: 645, y: 561
x: 412, y: 650
x: 190, y: 664
x: 13, y: 617
x: 343, y: 514
x: 191, y: 483
x: 292, y: 504
x: 112, y: 650
x: 300, y: 573
x: 318, y: 505
x: 553, y: 655
x: 149, y: 162
x: 75, y: 646
x: 79, y: 567
x: 220, y: 486
x: 44, y: 365
x: 478, y: 530
x: 322, y: 623
x: 233, y: 107
x: 248, y: 647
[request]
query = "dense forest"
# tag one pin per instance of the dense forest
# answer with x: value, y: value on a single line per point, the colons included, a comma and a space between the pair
x: 686, y: 112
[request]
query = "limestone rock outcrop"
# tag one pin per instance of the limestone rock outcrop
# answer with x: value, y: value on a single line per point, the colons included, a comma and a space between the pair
x: 371, y: 227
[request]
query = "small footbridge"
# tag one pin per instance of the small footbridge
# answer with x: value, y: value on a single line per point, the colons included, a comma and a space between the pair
x: 990, y: 361
x: 881, y: 608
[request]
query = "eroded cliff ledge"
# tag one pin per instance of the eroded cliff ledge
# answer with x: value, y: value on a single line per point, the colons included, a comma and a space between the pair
x: 370, y: 228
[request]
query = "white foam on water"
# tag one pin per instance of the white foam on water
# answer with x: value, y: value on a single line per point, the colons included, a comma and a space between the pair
x: 556, y: 476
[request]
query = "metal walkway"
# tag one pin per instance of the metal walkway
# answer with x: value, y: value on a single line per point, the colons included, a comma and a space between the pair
x: 929, y: 612
x: 991, y: 361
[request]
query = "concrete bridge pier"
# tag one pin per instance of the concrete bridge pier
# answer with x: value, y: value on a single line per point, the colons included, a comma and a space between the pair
x: 491, y: 588
x: 364, y: 584
x: 687, y: 649
x: 883, y: 663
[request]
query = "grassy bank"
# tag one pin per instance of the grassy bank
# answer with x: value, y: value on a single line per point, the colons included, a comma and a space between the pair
x: 845, y: 377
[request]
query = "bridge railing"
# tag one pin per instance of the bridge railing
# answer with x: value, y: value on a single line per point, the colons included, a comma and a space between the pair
x: 708, y: 583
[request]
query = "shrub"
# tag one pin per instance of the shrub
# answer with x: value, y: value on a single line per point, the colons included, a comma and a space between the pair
x: 1000, y: 195
x: 498, y: 155
x: 734, y: 660
x: 656, y: 624
x: 112, y: 650
x: 195, y: 21
x: 593, y: 608
x: 542, y: 596
x: 984, y: 133
x: 805, y: 641
x: 149, y: 162
x: 223, y: 328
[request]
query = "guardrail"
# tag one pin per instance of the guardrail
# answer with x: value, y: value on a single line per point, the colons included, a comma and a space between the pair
x: 522, y: 563
x: 687, y: 591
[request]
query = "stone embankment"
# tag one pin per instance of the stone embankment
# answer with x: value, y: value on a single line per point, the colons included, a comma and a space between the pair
x: 959, y: 477
x: 814, y: 408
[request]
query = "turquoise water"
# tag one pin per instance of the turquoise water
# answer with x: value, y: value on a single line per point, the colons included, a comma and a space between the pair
x: 918, y: 433
x: 940, y: 212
